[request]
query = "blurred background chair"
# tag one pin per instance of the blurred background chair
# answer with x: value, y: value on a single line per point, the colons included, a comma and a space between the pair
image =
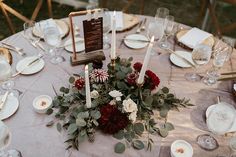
x: 208, y: 9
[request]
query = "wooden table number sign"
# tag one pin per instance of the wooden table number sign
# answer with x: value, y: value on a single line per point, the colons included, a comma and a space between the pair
x: 93, y: 37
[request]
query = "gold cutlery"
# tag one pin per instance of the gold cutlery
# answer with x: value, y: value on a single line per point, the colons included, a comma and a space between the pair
x: 229, y: 73
x: 13, y: 48
x: 3, y: 100
x: 227, y: 78
x: 182, y: 58
x: 143, y: 25
x: 27, y: 66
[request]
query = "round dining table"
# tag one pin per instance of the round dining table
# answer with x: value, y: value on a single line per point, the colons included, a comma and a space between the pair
x: 33, y: 138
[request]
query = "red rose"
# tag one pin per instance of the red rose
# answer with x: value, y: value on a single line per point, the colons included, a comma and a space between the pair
x: 155, y: 81
x: 137, y: 66
x: 79, y: 83
x: 131, y: 78
x: 112, y: 120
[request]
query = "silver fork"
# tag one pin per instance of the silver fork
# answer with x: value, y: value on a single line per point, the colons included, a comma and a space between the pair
x: 144, y: 25
x: 139, y: 27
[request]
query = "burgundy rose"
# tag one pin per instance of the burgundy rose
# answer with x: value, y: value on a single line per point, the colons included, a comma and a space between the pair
x: 79, y: 83
x: 131, y: 78
x: 155, y: 81
x: 137, y: 66
x: 112, y: 120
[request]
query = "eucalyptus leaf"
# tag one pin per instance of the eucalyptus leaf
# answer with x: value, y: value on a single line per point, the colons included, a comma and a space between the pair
x: 163, y: 112
x: 95, y: 114
x: 169, y: 126
x: 163, y: 132
x: 72, y: 128
x: 119, y: 148
x: 83, y: 115
x: 165, y: 90
x: 71, y: 80
x: 119, y: 135
x: 80, y: 122
x: 138, y: 128
x: 50, y: 123
x: 62, y: 89
x: 59, y: 127
x: 49, y: 111
x: 149, y: 100
x: 137, y: 144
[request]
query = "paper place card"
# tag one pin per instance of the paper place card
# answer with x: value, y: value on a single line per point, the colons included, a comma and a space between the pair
x: 119, y: 19
x: 49, y: 23
x: 194, y: 37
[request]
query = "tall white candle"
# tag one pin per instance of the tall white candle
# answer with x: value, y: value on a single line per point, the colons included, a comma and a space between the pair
x: 145, y: 62
x: 87, y: 87
x: 113, y: 36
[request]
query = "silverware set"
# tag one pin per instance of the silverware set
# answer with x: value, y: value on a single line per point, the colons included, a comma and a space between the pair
x: 13, y: 48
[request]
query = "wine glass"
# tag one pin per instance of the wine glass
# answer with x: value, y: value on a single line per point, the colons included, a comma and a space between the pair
x: 106, y: 28
x: 53, y: 39
x: 5, y: 139
x: 161, y: 14
x: 155, y: 29
x: 219, y: 57
x: 201, y: 55
x: 5, y: 76
x: 169, y: 26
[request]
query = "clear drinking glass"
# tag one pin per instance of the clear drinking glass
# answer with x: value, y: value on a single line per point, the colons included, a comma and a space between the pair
x: 201, y: 55
x: 219, y: 58
x: 232, y: 145
x: 5, y: 142
x: 5, y: 76
x: 53, y: 38
x: 161, y: 13
x: 155, y: 29
x: 28, y: 28
x: 169, y: 26
x: 106, y: 28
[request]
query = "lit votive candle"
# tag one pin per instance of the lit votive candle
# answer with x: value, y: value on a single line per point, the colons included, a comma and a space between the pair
x: 181, y: 148
x: 42, y: 103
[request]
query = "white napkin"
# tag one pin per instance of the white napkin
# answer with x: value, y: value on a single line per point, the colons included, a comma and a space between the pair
x: 48, y: 23
x: 119, y: 19
x: 194, y: 37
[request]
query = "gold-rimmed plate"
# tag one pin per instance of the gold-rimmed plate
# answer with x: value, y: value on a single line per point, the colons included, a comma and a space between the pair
x: 6, y: 53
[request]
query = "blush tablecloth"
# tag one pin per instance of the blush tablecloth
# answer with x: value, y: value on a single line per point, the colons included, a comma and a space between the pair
x: 34, y: 139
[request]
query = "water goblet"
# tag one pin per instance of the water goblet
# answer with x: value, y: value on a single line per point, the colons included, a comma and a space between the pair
x: 161, y: 13
x: 53, y: 38
x: 201, y: 55
x: 106, y: 28
x: 168, y: 28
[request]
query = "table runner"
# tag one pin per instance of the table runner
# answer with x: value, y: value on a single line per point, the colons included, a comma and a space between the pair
x: 34, y: 139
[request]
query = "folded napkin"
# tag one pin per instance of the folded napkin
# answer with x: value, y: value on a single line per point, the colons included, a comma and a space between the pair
x: 49, y: 23
x: 194, y: 37
x: 119, y: 19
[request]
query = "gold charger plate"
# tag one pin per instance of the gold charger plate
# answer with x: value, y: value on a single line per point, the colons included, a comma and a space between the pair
x: 209, y: 41
x: 63, y: 26
x: 7, y: 54
x: 130, y: 21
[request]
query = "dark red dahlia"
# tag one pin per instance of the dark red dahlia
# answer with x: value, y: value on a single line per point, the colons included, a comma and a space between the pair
x: 112, y: 120
x: 131, y: 78
x: 155, y: 81
x: 137, y: 66
x: 79, y: 83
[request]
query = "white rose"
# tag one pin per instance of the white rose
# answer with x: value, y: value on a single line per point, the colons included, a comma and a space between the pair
x: 112, y: 102
x: 133, y: 116
x: 129, y: 106
x: 94, y: 94
x: 118, y: 98
x: 115, y: 93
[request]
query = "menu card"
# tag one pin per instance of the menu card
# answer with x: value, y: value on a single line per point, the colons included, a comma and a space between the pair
x: 93, y: 34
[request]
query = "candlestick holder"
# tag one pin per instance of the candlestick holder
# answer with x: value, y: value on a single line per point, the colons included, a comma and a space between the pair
x: 139, y: 84
x: 113, y: 64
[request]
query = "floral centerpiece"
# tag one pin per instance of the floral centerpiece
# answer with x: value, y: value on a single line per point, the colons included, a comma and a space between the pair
x: 119, y: 106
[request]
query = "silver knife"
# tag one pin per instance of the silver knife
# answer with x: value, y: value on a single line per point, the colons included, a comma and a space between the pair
x: 4, y: 98
x: 136, y: 40
x: 27, y: 66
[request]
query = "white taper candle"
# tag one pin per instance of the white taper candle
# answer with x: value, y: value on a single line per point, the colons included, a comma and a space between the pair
x: 145, y: 62
x: 87, y: 87
x: 113, y: 36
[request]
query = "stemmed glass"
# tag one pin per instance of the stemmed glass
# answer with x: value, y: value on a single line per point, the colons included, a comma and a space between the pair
x: 28, y: 28
x: 155, y: 29
x: 201, y: 55
x: 53, y: 39
x: 5, y: 141
x: 106, y: 28
x: 5, y: 76
x: 219, y: 57
x: 161, y: 14
x: 169, y: 26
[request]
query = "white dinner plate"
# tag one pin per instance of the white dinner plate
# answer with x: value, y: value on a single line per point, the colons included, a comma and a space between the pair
x: 32, y: 69
x: 136, y: 44
x: 79, y: 45
x: 210, y: 108
x: 180, y: 62
x: 60, y: 23
x: 10, y: 107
